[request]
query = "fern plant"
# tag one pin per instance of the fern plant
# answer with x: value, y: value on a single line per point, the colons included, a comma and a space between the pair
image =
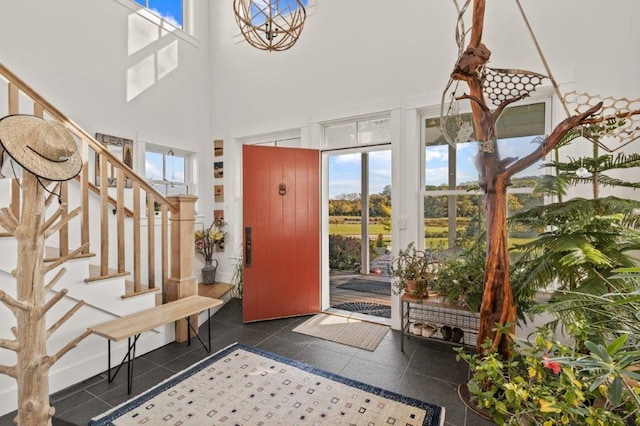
x: 580, y: 241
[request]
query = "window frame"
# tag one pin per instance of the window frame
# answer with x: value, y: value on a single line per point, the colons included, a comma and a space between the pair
x: 186, y: 33
x: 167, y: 182
x: 182, y: 10
x: 326, y: 146
x: 434, y: 112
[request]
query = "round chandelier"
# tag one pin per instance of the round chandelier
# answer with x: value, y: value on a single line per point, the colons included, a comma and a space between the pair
x: 272, y: 25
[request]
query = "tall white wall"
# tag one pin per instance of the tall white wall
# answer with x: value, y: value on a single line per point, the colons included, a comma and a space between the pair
x: 361, y: 51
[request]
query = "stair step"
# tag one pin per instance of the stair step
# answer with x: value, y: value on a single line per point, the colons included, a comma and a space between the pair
x: 129, y: 292
x: 214, y: 291
x: 51, y: 254
x: 94, y: 274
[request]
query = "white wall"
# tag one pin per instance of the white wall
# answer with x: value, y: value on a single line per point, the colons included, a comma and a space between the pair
x: 360, y: 51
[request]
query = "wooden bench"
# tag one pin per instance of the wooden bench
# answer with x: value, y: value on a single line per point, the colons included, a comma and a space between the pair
x: 133, y: 325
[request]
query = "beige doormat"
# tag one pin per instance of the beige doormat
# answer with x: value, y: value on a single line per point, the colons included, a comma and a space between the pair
x: 346, y: 330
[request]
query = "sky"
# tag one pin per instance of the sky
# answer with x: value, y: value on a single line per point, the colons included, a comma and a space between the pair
x: 170, y: 10
x: 153, y: 167
x: 437, y: 158
x: 344, y: 170
x: 344, y: 173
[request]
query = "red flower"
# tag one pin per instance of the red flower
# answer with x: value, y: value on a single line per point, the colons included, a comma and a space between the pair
x: 551, y: 365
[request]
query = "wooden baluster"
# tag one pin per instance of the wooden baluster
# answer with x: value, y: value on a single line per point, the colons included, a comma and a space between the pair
x: 151, y: 240
x: 14, y: 108
x: 104, y: 214
x: 136, y: 237
x: 120, y: 220
x: 165, y: 249
x: 63, y: 233
x: 84, y: 197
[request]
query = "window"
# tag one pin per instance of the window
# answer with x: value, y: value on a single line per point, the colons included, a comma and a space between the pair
x: 375, y: 131
x: 166, y: 172
x: 169, y: 10
x: 453, y: 205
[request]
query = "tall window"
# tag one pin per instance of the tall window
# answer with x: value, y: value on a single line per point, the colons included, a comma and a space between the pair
x: 169, y: 10
x: 453, y: 204
x: 166, y: 172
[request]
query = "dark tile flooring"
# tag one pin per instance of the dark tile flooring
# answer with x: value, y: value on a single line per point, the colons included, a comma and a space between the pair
x: 427, y: 370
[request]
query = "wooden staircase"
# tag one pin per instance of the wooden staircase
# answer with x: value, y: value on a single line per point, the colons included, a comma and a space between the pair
x: 106, y: 215
x: 118, y: 258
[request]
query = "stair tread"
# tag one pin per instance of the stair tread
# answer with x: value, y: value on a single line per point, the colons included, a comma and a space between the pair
x: 94, y: 274
x: 129, y: 292
x: 214, y: 291
x: 51, y: 254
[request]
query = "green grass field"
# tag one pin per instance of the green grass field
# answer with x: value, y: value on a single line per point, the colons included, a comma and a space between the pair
x: 432, y: 227
x: 354, y: 229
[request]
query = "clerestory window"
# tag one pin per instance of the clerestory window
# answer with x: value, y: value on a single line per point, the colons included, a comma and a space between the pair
x: 171, y: 11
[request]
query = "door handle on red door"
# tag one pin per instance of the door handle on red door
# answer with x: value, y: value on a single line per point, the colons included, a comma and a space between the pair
x: 247, y: 246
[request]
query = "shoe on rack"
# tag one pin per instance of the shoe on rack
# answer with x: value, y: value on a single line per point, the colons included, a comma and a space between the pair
x: 456, y: 335
x: 446, y: 332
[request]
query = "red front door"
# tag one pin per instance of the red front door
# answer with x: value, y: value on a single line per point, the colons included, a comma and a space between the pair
x: 281, y: 215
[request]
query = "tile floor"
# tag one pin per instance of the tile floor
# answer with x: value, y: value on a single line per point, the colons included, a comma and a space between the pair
x: 427, y: 370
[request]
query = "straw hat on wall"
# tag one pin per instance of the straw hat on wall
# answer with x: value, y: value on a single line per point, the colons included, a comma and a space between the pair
x: 45, y: 148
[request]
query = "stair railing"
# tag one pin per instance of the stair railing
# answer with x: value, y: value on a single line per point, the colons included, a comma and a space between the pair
x: 113, y: 209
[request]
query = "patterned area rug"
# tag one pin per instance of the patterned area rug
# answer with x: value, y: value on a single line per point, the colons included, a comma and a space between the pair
x: 346, y: 330
x: 367, y: 286
x: 368, y: 308
x: 241, y: 385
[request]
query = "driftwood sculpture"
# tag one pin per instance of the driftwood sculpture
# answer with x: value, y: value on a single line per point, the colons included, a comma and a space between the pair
x: 498, y: 305
x: 45, y: 151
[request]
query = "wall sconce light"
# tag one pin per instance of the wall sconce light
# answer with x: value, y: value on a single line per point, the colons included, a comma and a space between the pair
x: 272, y: 25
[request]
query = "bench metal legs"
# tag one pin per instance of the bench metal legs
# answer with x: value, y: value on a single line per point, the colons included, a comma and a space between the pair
x: 129, y: 358
x: 208, y: 349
